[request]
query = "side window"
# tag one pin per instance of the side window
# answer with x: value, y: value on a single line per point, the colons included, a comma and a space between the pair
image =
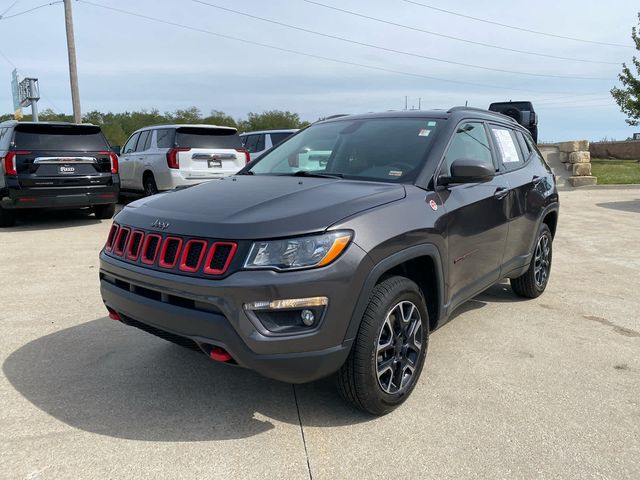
x: 131, y: 144
x: 147, y: 144
x: 524, y: 146
x: 276, y: 138
x: 508, y: 147
x: 5, y: 135
x: 164, y: 137
x: 251, y: 142
x: 142, y: 141
x: 260, y: 144
x: 469, y: 141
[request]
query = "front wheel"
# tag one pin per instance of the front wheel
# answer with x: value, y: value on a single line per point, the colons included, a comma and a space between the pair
x: 389, y: 352
x: 534, y: 281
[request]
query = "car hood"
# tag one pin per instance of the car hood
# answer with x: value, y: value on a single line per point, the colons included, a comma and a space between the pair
x: 251, y: 207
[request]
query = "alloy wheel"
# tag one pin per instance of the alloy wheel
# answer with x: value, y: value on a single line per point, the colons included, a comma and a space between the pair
x: 542, y: 261
x: 400, y: 344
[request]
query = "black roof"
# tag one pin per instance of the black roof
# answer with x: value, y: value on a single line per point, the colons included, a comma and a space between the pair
x: 10, y: 123
x: 453, y: 113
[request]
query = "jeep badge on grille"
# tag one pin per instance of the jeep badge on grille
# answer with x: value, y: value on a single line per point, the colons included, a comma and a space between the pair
x: 159, y: 224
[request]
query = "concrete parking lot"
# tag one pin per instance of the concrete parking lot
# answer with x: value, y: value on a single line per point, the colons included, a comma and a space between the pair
x: 546, y: 388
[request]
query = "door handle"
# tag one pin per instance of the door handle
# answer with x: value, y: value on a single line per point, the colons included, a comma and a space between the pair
x: 501, y: 192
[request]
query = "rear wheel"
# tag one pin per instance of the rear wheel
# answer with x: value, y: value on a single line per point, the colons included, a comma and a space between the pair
x: 149, y: 183
x: 388, y: 354
x: 535, y: 279
x: 105, y: 212
x: 7, y: 217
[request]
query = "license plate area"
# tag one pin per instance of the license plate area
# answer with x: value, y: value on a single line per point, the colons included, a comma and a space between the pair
x: 214, y: 163
x: 66, y: 169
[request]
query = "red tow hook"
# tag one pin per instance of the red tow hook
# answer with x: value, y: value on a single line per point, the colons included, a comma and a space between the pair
x: 219, y: 354
x: 113, y: 315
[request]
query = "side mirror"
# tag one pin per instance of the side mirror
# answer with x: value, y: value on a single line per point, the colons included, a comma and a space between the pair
x: 467, y: 170
x: 115, y: 149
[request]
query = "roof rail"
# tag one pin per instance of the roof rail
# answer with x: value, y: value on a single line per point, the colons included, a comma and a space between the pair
x: 331, y: 117
x: 475, y: 109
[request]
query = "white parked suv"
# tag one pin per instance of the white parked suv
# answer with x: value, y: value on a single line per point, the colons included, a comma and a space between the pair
x: 259, y: 142
x: 163, y: 157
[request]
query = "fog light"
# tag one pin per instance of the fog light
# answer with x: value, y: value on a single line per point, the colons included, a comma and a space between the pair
x: 308, y: 317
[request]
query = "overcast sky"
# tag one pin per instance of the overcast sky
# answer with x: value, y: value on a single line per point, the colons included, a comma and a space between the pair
x: 129, y: 63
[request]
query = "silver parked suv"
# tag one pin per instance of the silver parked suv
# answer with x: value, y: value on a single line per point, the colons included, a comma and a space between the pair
x: 259, y: 142
x: 164, y: 157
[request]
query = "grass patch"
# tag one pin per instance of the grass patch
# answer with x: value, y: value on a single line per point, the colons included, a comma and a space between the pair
x: 615, y: 172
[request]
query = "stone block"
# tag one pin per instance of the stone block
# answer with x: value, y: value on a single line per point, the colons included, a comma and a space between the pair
x: 582, y: 181
x: 575, y: 146
x: 581, y: 169
x: 579, y: 157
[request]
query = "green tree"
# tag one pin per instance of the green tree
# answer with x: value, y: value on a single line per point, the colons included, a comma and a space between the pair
x: 628, y: 98
x: 271, y: 119
x: 219, y: 118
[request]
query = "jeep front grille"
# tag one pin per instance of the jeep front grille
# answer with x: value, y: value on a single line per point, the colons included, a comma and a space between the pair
x: 170, y: 252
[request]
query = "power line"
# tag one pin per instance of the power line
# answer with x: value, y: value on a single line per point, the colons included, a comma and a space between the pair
x: 379, y: 47
x: 564, y: 102
x: 310, y: 55
x: 2, y: 17
x: 9, y: 8
x: 522, y: 29
x: 459, y: 39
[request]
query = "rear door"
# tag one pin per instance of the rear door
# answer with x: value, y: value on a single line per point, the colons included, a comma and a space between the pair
x: 50, y: 155
x: 529, y: 180
x: 476, y: 218
x: 208, y: 152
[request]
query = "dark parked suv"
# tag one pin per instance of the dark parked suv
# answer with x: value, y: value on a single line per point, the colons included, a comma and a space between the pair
x: 56, y: 165
x: 303, y: 265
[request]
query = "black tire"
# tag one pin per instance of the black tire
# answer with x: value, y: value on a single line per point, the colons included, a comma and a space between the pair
x: 149, y: 184
x: 7, y: 217
x: 535, y: 279
x: 358, y: 380
x: 105, y: 212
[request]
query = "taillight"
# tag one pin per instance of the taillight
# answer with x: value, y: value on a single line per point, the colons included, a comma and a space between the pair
x: 9, y: 163
x: 247, y: 155
x: 172, y: 157
x: 114, y: 160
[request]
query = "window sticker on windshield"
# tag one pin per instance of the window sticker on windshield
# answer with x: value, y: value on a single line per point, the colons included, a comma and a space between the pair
x: 395, y: 173
x: 431, y: 124
x: 507, y: 146
x: 424, y: 132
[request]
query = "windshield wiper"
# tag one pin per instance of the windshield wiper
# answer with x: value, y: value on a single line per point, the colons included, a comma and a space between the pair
x: 248, y: 172
x: 307, y: 173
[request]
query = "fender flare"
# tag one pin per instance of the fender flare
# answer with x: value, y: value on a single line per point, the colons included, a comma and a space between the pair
x: 422, y: 250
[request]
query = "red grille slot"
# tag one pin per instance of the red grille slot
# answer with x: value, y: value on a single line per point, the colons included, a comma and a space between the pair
x: 219, y: 257
x: 111, y: 237
x: 150, y: 249
x: 170, y: 252
x: 194, y: 252
x: 135, y: 245
x: 121, y: 240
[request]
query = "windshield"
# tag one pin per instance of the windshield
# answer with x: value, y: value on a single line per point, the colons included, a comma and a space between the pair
x: 380, y: 149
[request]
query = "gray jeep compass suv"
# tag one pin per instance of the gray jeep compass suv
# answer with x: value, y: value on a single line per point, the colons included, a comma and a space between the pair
x: 342, y: 261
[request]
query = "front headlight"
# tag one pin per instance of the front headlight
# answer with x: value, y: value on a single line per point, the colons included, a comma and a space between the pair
x: 300, y: 252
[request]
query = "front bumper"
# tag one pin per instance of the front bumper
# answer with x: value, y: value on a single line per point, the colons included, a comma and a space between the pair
x: 210, y: 313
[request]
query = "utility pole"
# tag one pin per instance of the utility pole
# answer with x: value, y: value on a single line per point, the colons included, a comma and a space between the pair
x: 73, y: 67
